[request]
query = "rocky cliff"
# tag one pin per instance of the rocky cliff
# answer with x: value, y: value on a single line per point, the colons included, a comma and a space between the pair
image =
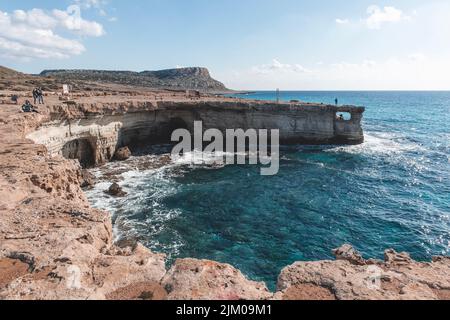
x: 182, y: 78
x: 92, y: 132
x: 53, y: 245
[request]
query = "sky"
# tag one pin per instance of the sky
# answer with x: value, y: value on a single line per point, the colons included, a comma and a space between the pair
x: 247, y: 44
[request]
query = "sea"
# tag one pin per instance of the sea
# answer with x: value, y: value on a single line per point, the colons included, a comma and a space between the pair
x: 393, y: 191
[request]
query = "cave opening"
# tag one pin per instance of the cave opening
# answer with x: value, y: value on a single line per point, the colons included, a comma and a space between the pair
x: 140, y: 140
x: 174, y: 124
x: 81, y: 150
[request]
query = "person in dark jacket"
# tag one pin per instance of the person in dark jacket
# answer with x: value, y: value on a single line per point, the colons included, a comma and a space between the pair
x: 15, y: 99
x: 28, y: 107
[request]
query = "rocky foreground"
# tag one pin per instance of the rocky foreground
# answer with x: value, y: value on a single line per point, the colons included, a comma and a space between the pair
x: 53, y: 245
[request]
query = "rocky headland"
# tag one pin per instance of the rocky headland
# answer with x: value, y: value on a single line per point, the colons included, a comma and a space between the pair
x: 181, y: 78
x: 54, y: 245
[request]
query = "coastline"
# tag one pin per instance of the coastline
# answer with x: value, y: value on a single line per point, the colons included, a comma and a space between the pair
x: 65, y: 248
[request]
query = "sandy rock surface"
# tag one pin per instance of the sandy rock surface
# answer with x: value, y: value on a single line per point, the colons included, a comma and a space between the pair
x: 351, y: 277
x: 191, y: 279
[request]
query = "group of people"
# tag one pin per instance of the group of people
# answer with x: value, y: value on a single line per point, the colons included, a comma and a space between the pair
x: 38, y: 96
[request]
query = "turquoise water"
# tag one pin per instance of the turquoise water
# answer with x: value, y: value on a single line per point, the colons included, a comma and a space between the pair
x: 391, y: 192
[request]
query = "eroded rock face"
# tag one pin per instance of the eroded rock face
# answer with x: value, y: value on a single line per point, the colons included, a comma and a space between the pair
x: 191, y: 279
x: 353, y: 278
x: 91, y: 132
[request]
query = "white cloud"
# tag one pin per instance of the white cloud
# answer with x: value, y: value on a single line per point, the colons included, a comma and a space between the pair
x: 415, y: 71
x: 417, y: 57
x: 377, y: 16
x: 88, y: 4
x: 35, y: 18
x: 276, y: 67
x: 34, y: 33
x: 342, y: 21
x: 71, y: 20
x: 98, y: 5
x: 374, y: 61
x: 346, y: 65
x: 16, y: 50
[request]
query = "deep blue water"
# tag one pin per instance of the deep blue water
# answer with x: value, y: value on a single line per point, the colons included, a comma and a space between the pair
x: 391, y: 192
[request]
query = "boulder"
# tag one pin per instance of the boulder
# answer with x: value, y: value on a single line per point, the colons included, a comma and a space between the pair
x: 87, y: 179
x: 116, y: 191
x: 348, y: 253
x: 391, y: 257
x: 122, y: 154
x: 192, y: 279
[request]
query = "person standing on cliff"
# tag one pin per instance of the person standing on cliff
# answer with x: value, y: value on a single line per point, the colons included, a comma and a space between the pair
x: 35, y: 95
x: 336, y: 101
x: 40, y: 96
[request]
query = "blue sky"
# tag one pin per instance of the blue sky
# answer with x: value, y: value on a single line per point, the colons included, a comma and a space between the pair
x: 248, y: 44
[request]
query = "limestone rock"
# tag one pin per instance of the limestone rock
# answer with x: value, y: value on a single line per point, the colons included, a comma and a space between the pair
x: 121, y: 271
x: 122, y: 154
x: 116, y: 191
x: 149, y: 120
x: 399, y: 278
x: 87, y: 179
x: 348, y: 253
x: 308, y: 292
x: 139, y: 291
x: 193, y: 279
x: 394, y: 258
x: 11, y: 269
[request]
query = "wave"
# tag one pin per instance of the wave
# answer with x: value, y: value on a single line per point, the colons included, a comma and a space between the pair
x: 382, y: 144
x: 141, y: 214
